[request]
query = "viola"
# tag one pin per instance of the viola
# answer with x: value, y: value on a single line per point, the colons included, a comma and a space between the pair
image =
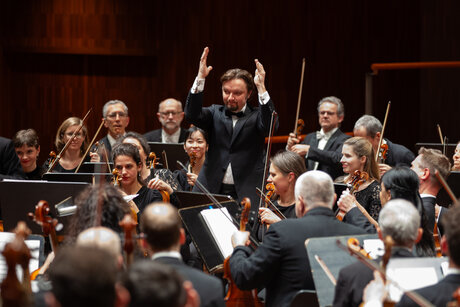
x: 300, y: 126
x: 236, y: 297
x: 116, y: 179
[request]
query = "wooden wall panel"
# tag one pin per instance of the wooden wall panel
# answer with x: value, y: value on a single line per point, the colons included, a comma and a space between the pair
x: 61, y: 57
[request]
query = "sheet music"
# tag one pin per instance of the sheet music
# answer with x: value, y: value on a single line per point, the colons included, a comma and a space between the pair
x: 410, y: 279
x: 33, y: 245
x: 221, y: 228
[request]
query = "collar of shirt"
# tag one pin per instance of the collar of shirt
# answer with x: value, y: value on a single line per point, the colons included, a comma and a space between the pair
x: 427, y: 195
x: 325, y: 135
x: 171, y: 254
x: 451, y: 271
x: 170, y: 138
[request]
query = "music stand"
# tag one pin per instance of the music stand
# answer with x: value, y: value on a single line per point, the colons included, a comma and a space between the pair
x: 19, y: 197
x: 92, y: 167
x: 450, y: 148
x: 174, y: 152
x: 190, y: 199
x: 75, y: 177
x: 201, y: 236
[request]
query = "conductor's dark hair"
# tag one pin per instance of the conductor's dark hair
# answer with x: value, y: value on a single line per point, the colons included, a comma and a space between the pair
x: 83, y: 276
x: 152, y: 284
x: 242, y: 74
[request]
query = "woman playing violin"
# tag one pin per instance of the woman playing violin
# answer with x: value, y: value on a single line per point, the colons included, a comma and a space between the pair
x: 77, y: 147
x: 127, y: 161
x: 196, y: 147
x: 358, y: 155
x: 285, y: 168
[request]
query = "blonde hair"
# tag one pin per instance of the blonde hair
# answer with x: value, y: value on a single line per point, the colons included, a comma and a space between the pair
x: 69, y: 122
x: 363, y: 148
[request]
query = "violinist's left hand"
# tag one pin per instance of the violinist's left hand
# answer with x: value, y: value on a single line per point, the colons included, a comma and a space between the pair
x: 300, y: 149
x: 259, y: 77
x: 158, y: 184
x: 267, y: 216
x: 240, y: 238
x: 346, y: 201
x: 383, y: 168
x: 94, y: 157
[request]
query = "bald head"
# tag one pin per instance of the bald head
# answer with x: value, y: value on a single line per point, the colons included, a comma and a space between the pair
x: 101, y: 237
x: 161, y: 224
x: 170, y: 115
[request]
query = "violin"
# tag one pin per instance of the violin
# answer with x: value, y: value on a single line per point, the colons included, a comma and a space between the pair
x: 116, y: 179
x: 192, y: 157
x: 129, y: 226
x: 48, y: 225
x: 236, y: 297
x: 383, y: 153
x: 270, y: 187
x: 13, y: 293
x: 152, y: 164
x: 357, y: 180
x: 51, y: 158
x: 300, y: 126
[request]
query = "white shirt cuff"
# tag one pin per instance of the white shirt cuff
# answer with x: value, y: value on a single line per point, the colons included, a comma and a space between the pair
x: 198, y: 86
x: 264, y: 98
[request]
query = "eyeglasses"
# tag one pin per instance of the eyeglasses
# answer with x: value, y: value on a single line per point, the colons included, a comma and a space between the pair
x: 114, y: 115
x: 78, y: 135
x: 166, y: 114
x: 327, y: 112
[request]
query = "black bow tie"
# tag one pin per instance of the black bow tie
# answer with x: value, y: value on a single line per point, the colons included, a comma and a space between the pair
x: 230, y: 113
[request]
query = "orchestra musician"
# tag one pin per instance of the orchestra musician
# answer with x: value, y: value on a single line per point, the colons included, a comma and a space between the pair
x: 323, y: 149
x: 116, y: 119
x: 425, y: 164
x: 128, y: 162
x: 170, y: 115
x: 234, y: 164
x: 456, y: 158
x: 164, y: 236
x: 280, y: 263
x: 285, y: 168
x: 27, y: 147
x: 10, y: 167
x: 196, y: 146
x: 400, y: 220
x: 72, y: 156
x: 369, y: 127
x: 358, y: 155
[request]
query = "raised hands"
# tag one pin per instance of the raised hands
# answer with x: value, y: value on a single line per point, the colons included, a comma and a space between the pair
x: 259, y: 77
x: 204, y: 69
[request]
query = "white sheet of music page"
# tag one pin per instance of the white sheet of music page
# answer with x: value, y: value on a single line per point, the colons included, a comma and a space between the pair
x: 221, y: 228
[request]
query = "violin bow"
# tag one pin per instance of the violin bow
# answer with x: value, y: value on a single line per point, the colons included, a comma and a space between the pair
x: 218, y: 204
x: 417, y: 298
x: 269, y: 148
x: 443, y: 139
x: 383, y: 130
x: 445, y: 186
x: 300, y: 95
x: 90, y: 145
x: 58, y: 157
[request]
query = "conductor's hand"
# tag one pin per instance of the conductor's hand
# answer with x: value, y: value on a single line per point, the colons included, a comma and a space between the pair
x: 267, y: 216
x: 292, y: 140
x: 240, y: 238
x: 204, y: 69
x: 259, y: 77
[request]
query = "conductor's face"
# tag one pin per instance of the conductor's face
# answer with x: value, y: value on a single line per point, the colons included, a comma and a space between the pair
x: 235, y: 94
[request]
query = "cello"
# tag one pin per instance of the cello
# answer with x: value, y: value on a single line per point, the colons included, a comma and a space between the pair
x: 236, y: 297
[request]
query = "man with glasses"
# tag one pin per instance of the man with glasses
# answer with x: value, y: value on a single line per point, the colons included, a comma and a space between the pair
x: 170, y: 115
x: 116, y: 119
x: 323, y: 149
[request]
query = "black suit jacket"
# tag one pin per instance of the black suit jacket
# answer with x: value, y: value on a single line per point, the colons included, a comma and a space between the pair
x: 242, y: 146
x: 439, y: 294
x: 281, y: 263
x: 355, y: 277
x: 155, y: 135
x: 108, y: 147
x: 428, y: 206
x: 329, y: 157
x: 10, y: 167
x: 398, y: 155
x: 208, y: 287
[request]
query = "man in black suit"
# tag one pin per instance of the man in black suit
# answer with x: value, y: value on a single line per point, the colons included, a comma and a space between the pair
x: 235, y: 161
x: 323, y: 149
x: 400, y: 220
x: 162, y: 226
x: 170, y: 115
x: 280, y: 263
x: 441, y: 293
x: 427, y: 162
x: 10, y: 167
x: 116, y: 119
x: 370, y: 127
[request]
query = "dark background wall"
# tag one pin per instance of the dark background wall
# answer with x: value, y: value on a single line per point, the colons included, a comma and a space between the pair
x: 58, y: 58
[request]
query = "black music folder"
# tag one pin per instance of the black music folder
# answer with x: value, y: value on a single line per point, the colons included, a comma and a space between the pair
x: 449, y: 148
x: 202, y: 237
x: 95, y: 167
x: 19, y: 197
x: 75, y: 177
x: 453, y: 181
x: 174, y: 152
